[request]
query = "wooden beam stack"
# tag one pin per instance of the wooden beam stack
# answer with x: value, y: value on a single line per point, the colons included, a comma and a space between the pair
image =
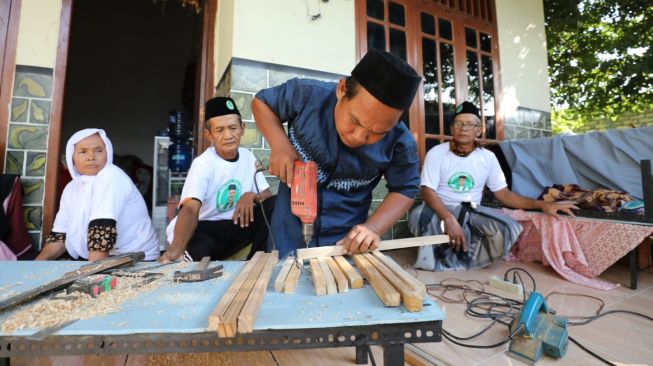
x: 238, y: 307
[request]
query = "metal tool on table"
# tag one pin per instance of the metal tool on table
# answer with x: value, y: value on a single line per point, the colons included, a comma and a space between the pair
x: 303, y: 197
x: 94, y: 285
x: 200, y: 273
x: 537, y: 332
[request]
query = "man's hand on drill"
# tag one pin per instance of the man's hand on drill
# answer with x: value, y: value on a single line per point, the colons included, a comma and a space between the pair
x: 360, y: 239
x: 282, y: 162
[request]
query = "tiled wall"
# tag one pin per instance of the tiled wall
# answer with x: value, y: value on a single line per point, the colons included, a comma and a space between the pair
x: 527, y: 123
x: 27, y: 140
x: 243, y: 79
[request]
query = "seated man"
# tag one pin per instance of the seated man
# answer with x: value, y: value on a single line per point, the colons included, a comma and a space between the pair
x: 101, y: 210
x: 453, y: 178
x: 218, y: 215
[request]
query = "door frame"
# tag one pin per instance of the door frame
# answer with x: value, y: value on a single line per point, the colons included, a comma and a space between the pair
x: 10, y: 13
x: 203, y: 90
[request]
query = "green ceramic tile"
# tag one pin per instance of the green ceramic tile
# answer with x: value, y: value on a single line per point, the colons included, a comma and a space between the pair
x: 248, y: 77
x: 33, y: 82
x: 380, y: 191
x: 251, y: 137
x: 273, y: 182
x: 35, y: 238
x: 278, y: 77
x: 40, y: 111
x: 27, y: 137
x: 33, y: 217
x: 19, y: 108
x: 36, y: 163
x: 14, y: 162
x: 32, y: 190
x: 263, y: 156
x: 244, y: 101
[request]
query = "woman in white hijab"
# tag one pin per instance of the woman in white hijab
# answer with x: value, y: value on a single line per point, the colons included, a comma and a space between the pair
x: 101, y: 210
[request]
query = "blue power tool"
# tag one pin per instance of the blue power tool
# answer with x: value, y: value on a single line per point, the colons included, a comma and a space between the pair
x: 537, y: 332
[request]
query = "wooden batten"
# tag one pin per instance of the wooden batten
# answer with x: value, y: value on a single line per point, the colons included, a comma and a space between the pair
x: 247, y: 316
x: 412, y: 299
x: 218, y: 312
x: 330, y: 281
x: 319, y: 283
x: 229, y: 321
x: 283, y: 274
x: 413, y: 282
x: 290, y: 284
x: 334, y: 250
x: 354, y: 278
x: 339, y: 276
x: 386, y: 292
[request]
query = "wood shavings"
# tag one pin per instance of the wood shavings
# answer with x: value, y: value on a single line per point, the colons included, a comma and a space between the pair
x: 63, y: 307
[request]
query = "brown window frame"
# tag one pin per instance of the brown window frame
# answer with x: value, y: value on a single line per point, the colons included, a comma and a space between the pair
x: 477, y: 14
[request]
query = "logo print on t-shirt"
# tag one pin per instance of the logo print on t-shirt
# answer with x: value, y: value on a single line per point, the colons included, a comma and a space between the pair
x: 228, y: 195
x: 461, y: 182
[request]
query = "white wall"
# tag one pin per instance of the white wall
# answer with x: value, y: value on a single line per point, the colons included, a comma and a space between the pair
x: 38, y: 33
x: 224, y: 37
x: 281, y: 32
x: 522, y: 49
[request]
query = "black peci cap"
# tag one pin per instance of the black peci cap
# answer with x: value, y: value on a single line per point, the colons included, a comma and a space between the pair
x: 467, y: 107
x: 388, y: 78
x: 219, y: 106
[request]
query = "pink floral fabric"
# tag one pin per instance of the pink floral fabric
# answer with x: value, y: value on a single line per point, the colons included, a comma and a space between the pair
x: 578, y: 249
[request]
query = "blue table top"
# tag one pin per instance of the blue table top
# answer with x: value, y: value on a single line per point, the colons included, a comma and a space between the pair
x: 185, y: 307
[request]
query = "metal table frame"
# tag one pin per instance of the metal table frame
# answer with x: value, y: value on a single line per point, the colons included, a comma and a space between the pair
x: 391, y: 336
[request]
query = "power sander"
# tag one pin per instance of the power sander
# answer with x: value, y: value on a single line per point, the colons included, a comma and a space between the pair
x: 303, y: 197
x: 537, y: 331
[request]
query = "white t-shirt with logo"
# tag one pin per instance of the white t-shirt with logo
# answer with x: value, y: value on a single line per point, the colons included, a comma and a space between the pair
x: 461, y: 179
x: 219, y: 184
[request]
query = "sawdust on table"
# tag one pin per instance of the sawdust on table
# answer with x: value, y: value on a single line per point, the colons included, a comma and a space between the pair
x: 63, y: 307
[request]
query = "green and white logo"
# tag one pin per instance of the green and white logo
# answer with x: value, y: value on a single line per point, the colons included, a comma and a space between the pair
x: 230, y: 105
x: 459, y: 109
x: 228, y: 195
x: 461, y: 182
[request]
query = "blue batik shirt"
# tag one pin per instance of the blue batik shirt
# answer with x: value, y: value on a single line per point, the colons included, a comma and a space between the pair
x: 346, y: 176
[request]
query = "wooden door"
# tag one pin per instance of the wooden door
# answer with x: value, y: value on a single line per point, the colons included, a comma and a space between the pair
x: 9, y: 17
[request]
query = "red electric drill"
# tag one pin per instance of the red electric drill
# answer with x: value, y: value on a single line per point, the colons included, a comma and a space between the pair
x: 303, y: 197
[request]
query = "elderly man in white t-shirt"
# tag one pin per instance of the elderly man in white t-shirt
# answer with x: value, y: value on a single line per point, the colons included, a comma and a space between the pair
x: 452, y: 182
x: 220, y: 209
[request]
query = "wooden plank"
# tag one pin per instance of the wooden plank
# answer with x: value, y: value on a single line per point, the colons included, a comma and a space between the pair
x: 283, y: 274
x: 247, y: 316
x: 354, y: 278
x: 293, y: 277
x: 413, y: 282
x: 388, y: 295
x: 222, y: 306
x: 412, y: 299
x: 333, y: 250
x: 331, y: 286
x: 341, y: 280
x: 229, y: 322
x: 318, y: 278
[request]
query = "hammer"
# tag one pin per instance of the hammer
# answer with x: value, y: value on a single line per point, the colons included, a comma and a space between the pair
x: 201, y: 272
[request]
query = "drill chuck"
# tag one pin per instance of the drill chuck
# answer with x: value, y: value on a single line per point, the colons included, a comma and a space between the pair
x: 307, y: 232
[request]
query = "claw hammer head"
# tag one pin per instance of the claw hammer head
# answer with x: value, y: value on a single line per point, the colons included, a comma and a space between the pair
x: 200, y: 273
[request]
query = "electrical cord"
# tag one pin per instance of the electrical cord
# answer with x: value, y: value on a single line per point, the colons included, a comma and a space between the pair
x: 497, y: 308
x: 591, y: 353
x: 265, y: 216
